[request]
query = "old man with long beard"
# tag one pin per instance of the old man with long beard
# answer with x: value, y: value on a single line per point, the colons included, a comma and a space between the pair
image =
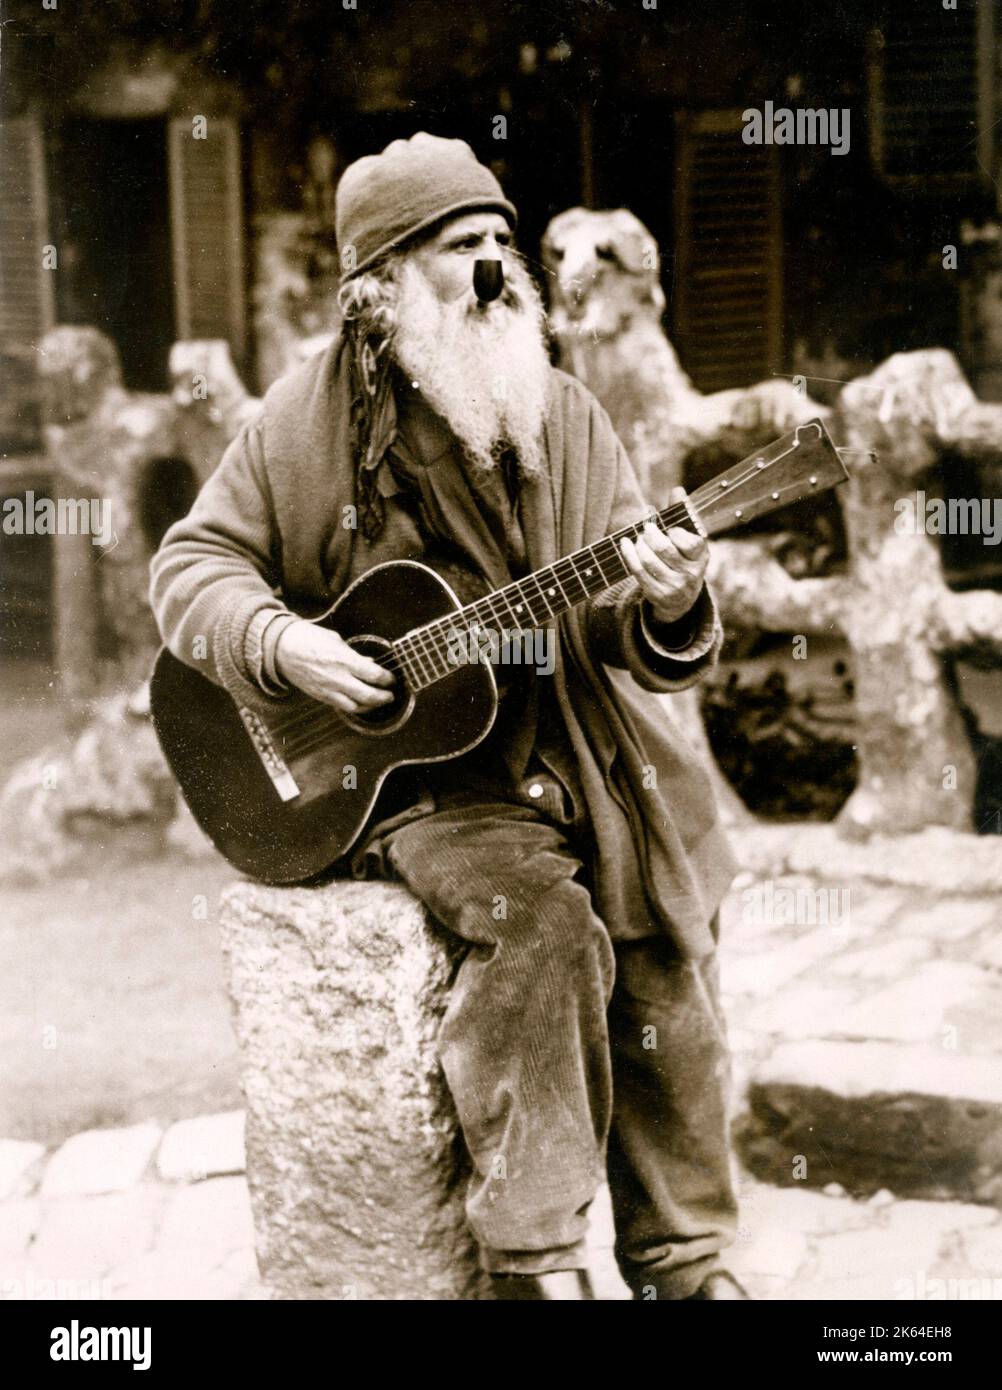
x: 576, y: 849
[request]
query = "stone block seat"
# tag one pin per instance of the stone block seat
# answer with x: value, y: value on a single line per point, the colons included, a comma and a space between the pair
x: 355, y: 1160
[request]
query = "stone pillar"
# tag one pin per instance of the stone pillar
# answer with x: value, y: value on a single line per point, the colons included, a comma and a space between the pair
x: 100, y: 438
x: 213, y: 405
x: 355, y: 1162
x: 79, y: 371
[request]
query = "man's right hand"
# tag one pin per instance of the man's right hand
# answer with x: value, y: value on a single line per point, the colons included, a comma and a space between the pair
x: 320, y: 663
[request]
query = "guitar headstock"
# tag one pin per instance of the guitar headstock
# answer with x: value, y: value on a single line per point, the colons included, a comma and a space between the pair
x: 800, y: 463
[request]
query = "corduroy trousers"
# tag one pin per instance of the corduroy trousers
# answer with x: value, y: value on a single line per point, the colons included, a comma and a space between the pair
x: 571, y: 1057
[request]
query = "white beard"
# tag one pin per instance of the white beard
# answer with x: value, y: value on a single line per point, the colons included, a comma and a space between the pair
x: 486, y: 371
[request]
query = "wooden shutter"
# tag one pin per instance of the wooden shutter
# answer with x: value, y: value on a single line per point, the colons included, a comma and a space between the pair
x: 206, y: 209
x: 931, y: 93
x: 27, y: 298
x: 727, y: 296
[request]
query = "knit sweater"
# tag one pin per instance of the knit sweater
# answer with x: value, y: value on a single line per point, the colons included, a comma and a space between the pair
x: 270, y: 536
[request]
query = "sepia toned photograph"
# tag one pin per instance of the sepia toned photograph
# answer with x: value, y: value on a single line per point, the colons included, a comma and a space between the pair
x: 501, y: 590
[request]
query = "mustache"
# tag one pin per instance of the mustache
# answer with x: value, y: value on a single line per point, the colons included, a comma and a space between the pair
x: 509, y: 298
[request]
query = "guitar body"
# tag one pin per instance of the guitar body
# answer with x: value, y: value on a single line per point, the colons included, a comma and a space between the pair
x: 284, y: 795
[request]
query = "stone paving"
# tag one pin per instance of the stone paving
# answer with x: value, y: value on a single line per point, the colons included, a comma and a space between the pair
x: 866, y: 1026
x: 136, y: 1214
x: 129, y: 1213
x: 161, y: 1214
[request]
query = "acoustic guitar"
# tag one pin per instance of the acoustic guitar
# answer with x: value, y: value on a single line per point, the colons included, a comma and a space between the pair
x: 284, y: 794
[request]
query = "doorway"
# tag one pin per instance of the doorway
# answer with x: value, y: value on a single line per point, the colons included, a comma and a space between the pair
x: 116, y: 249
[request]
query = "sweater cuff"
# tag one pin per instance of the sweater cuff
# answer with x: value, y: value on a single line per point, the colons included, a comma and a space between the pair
x: 653, y: 665
x: 271, y: 681
x: 687, y: 638
x: 238, y: 653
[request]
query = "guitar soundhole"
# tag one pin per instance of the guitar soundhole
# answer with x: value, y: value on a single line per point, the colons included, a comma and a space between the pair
x: 385, y: 718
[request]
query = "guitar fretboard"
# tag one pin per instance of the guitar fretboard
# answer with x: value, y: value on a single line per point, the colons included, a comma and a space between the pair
x: 532, y: 601
x: 426, y: 654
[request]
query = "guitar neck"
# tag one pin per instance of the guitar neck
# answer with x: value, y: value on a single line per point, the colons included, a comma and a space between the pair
x: 748, y: 489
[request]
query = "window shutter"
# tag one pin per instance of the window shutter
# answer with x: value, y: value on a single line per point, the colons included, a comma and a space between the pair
x: 27, y: 298
x: 206, y: 210
x: 931, y: 93
x: 727, y: 293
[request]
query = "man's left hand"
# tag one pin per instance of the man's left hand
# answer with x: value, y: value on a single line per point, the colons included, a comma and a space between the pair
x: 668, y: 567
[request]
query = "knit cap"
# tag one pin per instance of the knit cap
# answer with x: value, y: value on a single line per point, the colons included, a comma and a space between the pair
x: 384, y: 199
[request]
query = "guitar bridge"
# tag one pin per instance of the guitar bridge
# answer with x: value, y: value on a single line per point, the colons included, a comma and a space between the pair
x: 281, y: 778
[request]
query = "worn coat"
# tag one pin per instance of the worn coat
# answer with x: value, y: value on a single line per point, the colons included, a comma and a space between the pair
x: 272, y: 531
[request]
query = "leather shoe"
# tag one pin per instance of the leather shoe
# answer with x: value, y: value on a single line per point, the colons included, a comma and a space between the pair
x: 719, y: 1284
x: 557, y: 1286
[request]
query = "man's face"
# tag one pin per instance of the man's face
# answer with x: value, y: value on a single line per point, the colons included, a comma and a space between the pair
x: 446, y: 259
x: 483, y: 367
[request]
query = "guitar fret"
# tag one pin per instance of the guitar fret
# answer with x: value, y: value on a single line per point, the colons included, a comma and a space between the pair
x: 569, y: 577
x: 579, y: 578
x: 502, y: 596
x: 611, y: 562
x: 498, y: 594
x: 426, y: 659
x: 556, y: 576
x: 483, y: 612
x: 410, y: 671
x: 523, y: 602
x: 439, y: 655
x: 429, y: 652
x: 558, y: 587
x: 492, y: 619
x: 535, y: 579
x: 419, y: 660
x: 595, y: 560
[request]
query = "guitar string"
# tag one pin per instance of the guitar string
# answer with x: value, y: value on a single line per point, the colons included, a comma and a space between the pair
x: 567, y: 567
x: 425, y: 641
x: 310, y: 738
x: 429, y: 634
x: 322, y: 715
x: 425, y: 644
x: 393, y: 659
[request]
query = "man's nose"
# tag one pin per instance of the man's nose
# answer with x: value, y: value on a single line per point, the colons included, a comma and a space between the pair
x: 492, y: 248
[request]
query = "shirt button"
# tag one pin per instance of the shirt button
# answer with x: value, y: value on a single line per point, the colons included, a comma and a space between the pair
x: 536, y: 789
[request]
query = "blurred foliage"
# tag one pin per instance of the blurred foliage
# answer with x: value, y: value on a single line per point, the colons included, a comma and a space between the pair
x: 306, y: 52
x: 302, y: 54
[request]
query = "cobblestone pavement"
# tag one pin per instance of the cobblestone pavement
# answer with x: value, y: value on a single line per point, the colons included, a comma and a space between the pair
x: 152, y: 1214
x: 886, y: 965
x: 129, y: 1213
